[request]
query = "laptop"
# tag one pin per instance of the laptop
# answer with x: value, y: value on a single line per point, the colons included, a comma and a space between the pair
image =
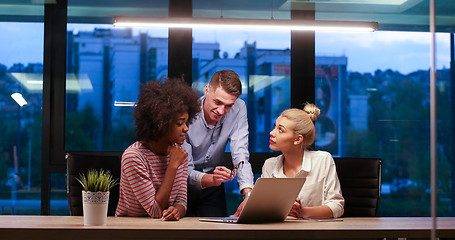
x: 270, y: 201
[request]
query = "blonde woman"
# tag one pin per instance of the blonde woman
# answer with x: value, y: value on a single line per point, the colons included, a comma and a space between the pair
x: 292, y: 134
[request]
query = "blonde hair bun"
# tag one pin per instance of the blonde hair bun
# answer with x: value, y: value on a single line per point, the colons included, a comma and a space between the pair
x: 312, y: 111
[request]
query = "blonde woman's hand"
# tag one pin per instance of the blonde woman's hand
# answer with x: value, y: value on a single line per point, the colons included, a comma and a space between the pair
x: 297, y: 209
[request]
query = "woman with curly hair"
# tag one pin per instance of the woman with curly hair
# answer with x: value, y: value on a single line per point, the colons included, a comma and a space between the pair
x: 292, y: 134
x: 154, y: 172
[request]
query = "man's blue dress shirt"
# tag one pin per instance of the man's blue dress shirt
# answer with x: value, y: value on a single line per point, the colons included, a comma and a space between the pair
x: 206, y: 144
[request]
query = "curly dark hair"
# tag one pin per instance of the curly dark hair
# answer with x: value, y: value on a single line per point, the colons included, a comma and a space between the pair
x: 159, y: 104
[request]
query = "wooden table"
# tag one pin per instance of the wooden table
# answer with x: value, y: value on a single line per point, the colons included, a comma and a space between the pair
x: 72, y: 227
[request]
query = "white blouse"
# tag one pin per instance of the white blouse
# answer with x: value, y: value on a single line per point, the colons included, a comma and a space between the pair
x: 322, y: 186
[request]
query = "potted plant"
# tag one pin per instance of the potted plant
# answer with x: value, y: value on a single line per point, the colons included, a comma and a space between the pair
x: 95, y: 195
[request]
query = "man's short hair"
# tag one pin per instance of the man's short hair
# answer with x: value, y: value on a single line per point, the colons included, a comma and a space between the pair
x: 228, y: 80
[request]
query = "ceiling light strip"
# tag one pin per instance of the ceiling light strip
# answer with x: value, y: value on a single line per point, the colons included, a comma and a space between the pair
x: 251, y: 24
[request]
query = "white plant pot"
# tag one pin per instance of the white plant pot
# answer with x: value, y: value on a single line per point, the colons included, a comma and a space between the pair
x: 95, y: 205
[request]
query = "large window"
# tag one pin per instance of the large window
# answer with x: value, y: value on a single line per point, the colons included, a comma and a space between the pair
x: 263, y: 65
x: 106, y: 66
x: 374, y: 96
x: 262, y: 59
x: 373, y: 88
x: 21, y: 75
x: 104, y: 69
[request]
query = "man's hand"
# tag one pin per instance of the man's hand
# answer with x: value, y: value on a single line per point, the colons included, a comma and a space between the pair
x: 242, y: 204
x: 220, y: 175
x: 240, y: 208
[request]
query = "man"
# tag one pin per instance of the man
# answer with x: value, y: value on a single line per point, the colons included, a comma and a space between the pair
x: 223, y: 118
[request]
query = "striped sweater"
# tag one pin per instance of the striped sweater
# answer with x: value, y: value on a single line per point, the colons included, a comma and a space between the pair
x: 142, y: 174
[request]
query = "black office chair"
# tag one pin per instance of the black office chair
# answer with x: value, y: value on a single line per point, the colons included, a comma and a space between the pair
x: 80, y: 163
x: 360, y: 180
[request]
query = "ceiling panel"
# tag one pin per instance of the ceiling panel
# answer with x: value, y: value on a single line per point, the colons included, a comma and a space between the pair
x: 403, y: 15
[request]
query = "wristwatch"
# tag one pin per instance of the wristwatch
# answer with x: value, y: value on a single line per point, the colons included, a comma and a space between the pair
x: 246, y: 195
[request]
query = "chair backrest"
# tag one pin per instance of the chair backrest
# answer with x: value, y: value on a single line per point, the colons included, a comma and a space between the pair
x: 360, y: 180
x: 78, y: 163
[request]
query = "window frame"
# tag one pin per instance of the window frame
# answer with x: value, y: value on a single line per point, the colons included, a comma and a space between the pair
x: 180, y: 59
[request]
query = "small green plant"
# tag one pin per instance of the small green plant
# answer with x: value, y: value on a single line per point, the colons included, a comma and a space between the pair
x: 97, y: 181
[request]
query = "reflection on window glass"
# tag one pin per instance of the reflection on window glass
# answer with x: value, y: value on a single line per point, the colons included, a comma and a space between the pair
x: 59, y: 201
x: 106, y: 66
x: 329, y: 76
x: 240, y: 9
x: 21, y: 93
x: 373, y: 92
